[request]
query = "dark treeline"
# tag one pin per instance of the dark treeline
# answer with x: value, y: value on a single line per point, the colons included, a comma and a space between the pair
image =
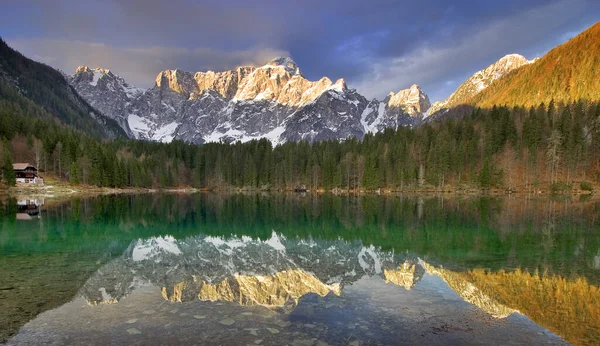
x: 514, y: 148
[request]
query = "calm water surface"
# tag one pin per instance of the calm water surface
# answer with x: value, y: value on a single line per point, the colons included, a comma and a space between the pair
x: 300, y: 270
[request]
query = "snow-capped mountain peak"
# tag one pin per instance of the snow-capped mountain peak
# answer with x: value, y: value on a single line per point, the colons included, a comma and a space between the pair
x: 407, y: 107
x: 339, y: 85
x: 106, y: 92
x: 415, y: 101
x: 480, y: 80
x: 84, y: 69
x: 92, y: 75
x: 286, y: 62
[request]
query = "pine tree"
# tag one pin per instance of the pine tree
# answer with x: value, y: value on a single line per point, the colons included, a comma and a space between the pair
x: 74, y: 174
x: 30, y: 141
x: 553, y: 154
x: 7, y: 167
x: 485, y: 175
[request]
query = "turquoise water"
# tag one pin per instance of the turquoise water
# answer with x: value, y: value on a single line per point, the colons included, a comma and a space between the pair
x: 300, y: 269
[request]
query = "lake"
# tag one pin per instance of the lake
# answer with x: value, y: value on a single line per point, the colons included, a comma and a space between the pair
x: 300, y: 269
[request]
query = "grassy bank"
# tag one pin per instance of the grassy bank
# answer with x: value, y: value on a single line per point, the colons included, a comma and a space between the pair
x: 57, y: 188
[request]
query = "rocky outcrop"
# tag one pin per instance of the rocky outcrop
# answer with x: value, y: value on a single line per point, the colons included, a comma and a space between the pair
x: 335, y: 114
x: 225, y: 83
x: 176, y: 80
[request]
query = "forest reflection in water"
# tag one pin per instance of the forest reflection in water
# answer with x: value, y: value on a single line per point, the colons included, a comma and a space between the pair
x: 540, y: 257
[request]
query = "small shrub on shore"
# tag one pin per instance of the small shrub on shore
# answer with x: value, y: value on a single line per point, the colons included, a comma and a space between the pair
x: 586, y: 186
x: 558, y: 188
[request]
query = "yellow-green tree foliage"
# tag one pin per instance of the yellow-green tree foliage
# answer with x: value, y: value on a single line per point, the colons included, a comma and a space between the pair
x: 567, y: 73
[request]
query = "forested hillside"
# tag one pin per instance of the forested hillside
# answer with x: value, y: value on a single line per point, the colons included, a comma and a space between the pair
x: 509, y: 148
x: 568, y: 73
x: 48, y: 88
x: 537, y: 142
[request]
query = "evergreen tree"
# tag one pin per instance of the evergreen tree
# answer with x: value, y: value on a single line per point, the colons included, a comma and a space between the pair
x: 74, y: 174
x: 30, y: 141
x: 485, y: 175
x: 553, y: 154
x: 8, y: 172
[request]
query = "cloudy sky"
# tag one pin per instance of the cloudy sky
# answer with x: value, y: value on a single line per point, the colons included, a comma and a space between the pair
x: 378, y: 46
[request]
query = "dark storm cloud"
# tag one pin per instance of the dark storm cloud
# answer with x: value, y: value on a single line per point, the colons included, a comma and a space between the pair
x: 378, y: 46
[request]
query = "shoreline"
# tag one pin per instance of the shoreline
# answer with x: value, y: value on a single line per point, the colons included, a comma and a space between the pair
x: 60, y: 190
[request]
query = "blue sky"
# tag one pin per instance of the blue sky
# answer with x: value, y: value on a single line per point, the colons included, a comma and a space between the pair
x: 378, y: 46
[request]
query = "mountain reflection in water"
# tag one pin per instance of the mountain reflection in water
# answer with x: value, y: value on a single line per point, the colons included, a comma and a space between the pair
x: 272, y: 273
x: 401, y: 259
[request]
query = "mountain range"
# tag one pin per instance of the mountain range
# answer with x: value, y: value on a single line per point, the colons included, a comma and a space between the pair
x: 277, y: 102
x: 274, y: 101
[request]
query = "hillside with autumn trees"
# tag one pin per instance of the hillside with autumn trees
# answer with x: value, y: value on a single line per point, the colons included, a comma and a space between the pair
x: 567, y: 73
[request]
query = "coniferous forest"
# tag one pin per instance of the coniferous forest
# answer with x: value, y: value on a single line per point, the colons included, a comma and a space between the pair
x: 555, y: 145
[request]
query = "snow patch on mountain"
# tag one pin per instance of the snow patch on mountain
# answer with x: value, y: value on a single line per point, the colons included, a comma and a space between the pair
x: 275, y: 242
x: 165, y: 133
x: 97, y: 76
x: 154, y: 247
x: 369, y: 260
x: 274, y: 136
x: 138, y: 125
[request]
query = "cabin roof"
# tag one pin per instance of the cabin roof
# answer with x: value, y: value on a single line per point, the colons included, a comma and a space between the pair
x: 22, y: 166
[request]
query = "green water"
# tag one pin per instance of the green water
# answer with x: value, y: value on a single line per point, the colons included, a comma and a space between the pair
x: 300, y: 269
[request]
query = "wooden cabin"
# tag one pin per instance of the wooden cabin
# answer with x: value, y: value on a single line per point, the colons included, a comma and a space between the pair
x: 26, y: 173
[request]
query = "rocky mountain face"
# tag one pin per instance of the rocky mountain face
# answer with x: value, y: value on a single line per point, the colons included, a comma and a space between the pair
x: 105, y: 91
x: 413, y: 100
x: 274, y: 101
x: 479, y: 81
x: 407, y: 107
